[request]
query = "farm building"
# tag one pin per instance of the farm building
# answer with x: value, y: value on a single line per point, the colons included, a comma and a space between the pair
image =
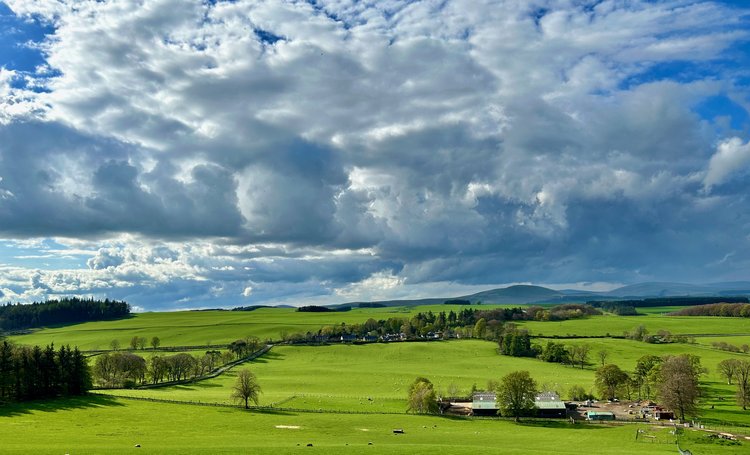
x: 484, y: 404
x: 662, y: 414
x: 600, y: 415
x: 549, y: 405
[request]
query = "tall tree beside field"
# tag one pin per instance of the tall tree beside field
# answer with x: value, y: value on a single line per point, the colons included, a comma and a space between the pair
x: 246, y: 388
x: 516, y: 393
x: 742, y: 375
x: 422, y: 398
x: 603, y: 354
x: 727, y: 367
x: 609, y: 379
x: 579, y: 354
x: 645, y: 374
x: 677, y: 386
x: 155, y: 343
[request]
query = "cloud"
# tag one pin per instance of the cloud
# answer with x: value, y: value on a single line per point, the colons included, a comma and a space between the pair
x: 320, y: 149
x: 732, y: 156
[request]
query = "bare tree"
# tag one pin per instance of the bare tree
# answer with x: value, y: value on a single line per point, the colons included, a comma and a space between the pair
x: 579, y: 354
x: 246, y: 388
x: 609, y: 379
x: 727, y: 368
x: 603, y: 354
x: 742, y: 375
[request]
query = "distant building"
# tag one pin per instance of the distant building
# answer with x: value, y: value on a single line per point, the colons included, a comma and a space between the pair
x: 484, y: 404
x: 549, y: 405
x: 600, y: 415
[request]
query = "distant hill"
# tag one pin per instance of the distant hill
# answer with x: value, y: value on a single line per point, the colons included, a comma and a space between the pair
x: 515, y: 294
x: 527, y: 294
x: 659, y: 289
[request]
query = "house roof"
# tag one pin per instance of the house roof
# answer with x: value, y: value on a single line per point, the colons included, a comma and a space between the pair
x: 550, y: 405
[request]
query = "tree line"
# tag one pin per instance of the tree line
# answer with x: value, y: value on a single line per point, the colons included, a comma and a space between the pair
x: 732, y: 310
x: 464, y: 323
x: 30, y: 373
x: 126, y: 370
x: 63, y: 311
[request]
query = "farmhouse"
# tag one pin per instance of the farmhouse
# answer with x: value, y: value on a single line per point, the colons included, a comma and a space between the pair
x: 549, y: 405
x: 484, y: 404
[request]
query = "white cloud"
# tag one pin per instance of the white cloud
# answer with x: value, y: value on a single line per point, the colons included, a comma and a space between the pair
x: 462, y: 141
x: 732, y: 156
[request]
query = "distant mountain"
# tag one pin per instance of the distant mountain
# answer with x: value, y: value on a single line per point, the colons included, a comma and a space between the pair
x: 527, y: 294
x: 659, y: 289
x: 515, y: 294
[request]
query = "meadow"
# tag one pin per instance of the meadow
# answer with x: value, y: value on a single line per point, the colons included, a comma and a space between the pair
x: 336, y: 392
x: 193, y: 328
x: 94, y: 425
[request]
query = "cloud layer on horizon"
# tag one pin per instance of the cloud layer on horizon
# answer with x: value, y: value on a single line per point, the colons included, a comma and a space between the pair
x: 230, y: 153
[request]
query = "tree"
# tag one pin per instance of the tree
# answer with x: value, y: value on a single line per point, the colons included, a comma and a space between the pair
x: 480, y: 328
x: 555, y: 352
x: 246, y: 388
x: 155, y: 342
x: 603, y: 354
x: 645, y: 372
x: 677, y: 386
x: 141, y: 343
x: 727, y: 368
x: 134, y: 343
x: 579, y: 354
x: 115, y: 345
x: 608, y: 379
x: 516, y: 394
x: 422, y: 398
x: 742, y: 375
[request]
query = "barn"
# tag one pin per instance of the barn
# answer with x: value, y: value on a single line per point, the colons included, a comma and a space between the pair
x: 484, y: 404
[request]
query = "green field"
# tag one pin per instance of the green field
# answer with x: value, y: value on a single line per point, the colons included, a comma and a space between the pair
x: 101, y: 425
x: 319, y: 387
x: 190, y: 328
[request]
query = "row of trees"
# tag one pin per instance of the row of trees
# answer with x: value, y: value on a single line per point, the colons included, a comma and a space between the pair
x: 63, y: 311
x: 735, y: 310
x: 125, y: 369
x: 465, y: 323
x: 29, y: 373
x: 738, y: 371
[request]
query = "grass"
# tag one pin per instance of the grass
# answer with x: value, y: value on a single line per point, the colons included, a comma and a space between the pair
x: 372, y: 377
x: 114, y: 426
x: 190, y: 328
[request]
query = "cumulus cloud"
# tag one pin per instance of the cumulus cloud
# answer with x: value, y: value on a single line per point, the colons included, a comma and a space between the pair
x: 332, y: 149
x: 732, y: 156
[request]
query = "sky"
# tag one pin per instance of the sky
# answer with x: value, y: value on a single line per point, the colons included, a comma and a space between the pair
x: 205, y: 154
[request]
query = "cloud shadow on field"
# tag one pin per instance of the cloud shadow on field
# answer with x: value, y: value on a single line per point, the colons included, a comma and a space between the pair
x: 58, y: 404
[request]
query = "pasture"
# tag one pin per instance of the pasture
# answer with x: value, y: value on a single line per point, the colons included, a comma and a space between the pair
x: 114, y: 426
x: 338, y: 391
x: 192, y: 328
